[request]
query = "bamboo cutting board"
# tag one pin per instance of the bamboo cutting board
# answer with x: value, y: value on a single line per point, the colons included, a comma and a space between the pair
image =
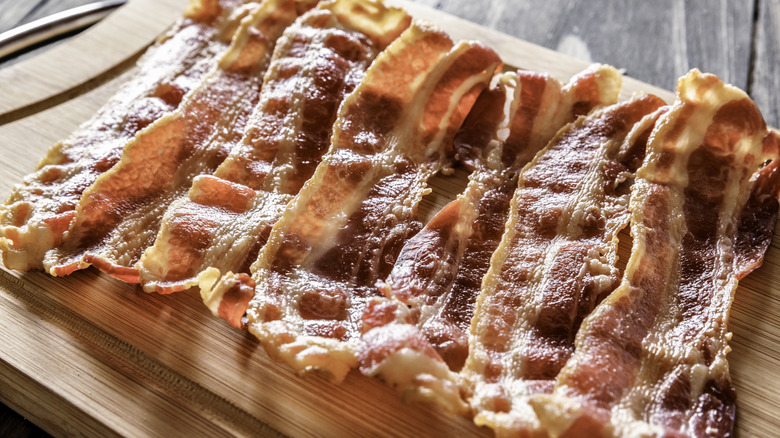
x: 88, y: 355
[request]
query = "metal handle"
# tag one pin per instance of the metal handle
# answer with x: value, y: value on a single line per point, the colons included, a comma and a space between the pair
x: 26, y: 35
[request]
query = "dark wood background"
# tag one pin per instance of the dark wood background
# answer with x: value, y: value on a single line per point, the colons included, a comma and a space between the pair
x: 654, y: 41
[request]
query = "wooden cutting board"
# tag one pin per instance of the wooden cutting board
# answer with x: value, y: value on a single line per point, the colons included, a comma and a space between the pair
x: 88, y: 355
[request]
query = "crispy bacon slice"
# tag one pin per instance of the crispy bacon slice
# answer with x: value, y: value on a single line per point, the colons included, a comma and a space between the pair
x: 41, y: 208
x: 436, y: 280
x: 343, y: 230
x: 225, y: 220
x: 523, y: 110
x: 555, y: 259
x: 651, y: 359
x: 119, y: 215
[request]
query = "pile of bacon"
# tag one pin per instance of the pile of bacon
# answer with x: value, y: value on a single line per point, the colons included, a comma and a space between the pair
x: 274, y: 154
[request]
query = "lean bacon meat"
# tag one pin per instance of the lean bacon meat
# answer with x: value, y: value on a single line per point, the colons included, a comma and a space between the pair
x: 42, y: 207
x: 224, y: 221
x: 651, y: 359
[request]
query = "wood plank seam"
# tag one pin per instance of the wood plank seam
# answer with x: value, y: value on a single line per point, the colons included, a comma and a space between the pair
x: 753, y: 48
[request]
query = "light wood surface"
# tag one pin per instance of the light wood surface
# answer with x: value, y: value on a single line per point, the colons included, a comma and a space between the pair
x: 89, y: 355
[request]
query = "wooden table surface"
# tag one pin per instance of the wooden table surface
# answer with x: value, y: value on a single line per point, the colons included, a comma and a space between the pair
x: 655, y: 42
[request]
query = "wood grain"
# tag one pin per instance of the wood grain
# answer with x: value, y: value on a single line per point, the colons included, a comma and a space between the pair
x: 88, y: 355
x: 765, y: 79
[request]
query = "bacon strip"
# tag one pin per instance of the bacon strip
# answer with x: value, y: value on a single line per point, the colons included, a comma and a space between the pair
x: 225, y: 220
x: 119, y: 215
x: 41, y: 208
x: 436, y: 280
x: 556, y: 258
x: 343, y: 230
x: 701, y: 196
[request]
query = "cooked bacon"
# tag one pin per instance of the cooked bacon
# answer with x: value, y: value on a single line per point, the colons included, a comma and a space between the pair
x: 40, y: 209
x: 343, y: 230
x: 439, y: 271
x: 118, y: 217
x: 520, y: 113
x: 651, y: 359
x: 556, y: 258
x: 225, y: 220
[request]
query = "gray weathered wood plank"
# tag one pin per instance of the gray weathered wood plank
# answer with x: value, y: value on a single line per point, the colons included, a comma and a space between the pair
x: 655, y: 41
x: 765, y: 83
x: 14, y: 13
